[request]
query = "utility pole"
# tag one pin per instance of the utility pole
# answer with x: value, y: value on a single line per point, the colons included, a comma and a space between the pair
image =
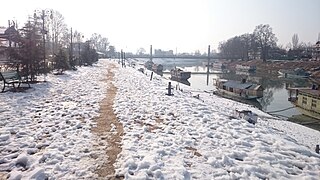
x: 208, y: 65
x: 151, y: 53
x: 79, y: 54
x: 44, y: 46
x: 71, y: 51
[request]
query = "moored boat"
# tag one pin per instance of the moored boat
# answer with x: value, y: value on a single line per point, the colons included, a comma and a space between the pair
x: 245, y: 68
x: 307, y: 100
x: 148, y: 65
x: 239, y: 89
x: 179, y: 74
x: 296, y: 73
x: 158, y: 68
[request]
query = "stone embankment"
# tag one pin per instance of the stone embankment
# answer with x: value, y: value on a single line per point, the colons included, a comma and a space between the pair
x: 312, y: 66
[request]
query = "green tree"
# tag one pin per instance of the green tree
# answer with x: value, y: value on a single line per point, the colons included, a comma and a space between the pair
x: 61, y: 61
x: 89, y: 55
x: 31, y: 50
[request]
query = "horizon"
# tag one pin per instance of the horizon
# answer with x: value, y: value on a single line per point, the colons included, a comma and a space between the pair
x: 185, y: 26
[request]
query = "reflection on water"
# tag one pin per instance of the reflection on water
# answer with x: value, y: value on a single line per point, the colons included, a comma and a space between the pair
x: 275, y: 93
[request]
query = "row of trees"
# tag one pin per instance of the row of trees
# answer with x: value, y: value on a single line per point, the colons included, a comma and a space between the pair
x: 45, y: 43
x: 249, y: 45
x: 262, y: 44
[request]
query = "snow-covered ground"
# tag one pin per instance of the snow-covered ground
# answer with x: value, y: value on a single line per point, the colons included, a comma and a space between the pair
x: 183, y: 137
x: 46, y: 132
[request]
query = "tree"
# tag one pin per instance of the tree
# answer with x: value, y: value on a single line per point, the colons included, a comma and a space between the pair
x: 89, y: 55
x: 266, y: 39
x: 111, y: 51
x: 295, y: 41
x: 58, y: 29
x: 31, y: 49
x: 236, y: 47
x: 99, y: 43
x: 141, y: 51
x: 61, y: 60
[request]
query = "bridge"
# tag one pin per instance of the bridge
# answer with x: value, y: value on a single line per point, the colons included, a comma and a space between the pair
x: 215, y: 72
x: 178, y: 57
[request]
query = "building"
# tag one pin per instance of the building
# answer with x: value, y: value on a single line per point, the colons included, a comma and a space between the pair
x: 159, y: 52
x: 307, y: 101
x: 316, y: 51
x: 8, y: 38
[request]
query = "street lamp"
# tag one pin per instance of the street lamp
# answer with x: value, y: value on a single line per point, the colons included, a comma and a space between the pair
x: 43, y: 14
x: 79, y: 39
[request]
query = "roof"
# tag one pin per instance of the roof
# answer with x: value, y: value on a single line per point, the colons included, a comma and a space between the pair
x: 100, y: 53
x: 239, y: 85
x: 313, y: 92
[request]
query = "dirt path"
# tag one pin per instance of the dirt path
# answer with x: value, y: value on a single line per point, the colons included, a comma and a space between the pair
x: 109, y: 129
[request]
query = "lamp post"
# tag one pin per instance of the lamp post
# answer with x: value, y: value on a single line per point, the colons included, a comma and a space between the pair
x: 79, y: 46
x: 43, y: 14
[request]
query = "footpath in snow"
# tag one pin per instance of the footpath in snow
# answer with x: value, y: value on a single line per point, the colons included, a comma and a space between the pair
x: 48, y: 132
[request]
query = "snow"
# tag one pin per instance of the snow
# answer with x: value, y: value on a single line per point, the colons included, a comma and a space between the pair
x: 45, y: 132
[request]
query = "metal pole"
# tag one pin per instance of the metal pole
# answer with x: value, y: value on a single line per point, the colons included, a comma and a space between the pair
x: 44, y: 47
x: 71, y: 51
x: 208, y: 65
x: 150, y: 52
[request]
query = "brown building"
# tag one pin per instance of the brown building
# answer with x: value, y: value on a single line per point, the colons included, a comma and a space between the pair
x: 316, y: 51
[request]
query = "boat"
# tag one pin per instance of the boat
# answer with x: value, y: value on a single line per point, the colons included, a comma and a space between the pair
x: 296, y: 73
x: 246, y: 68
x: 307, y: 100
x: 239, y: 89
x: 157, y: 68
x: 179, y: 74
x: 148, y: 65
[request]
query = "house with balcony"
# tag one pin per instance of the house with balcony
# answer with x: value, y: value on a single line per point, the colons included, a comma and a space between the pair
x: 316, y: 51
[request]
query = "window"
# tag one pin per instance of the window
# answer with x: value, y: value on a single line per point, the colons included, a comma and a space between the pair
x: 304, y: 100
x: 313, y: 104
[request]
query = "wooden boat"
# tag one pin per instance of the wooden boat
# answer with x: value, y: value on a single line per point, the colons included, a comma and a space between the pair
x: 158, y: 68
x: 296, y: 73
x: 245, y: 68
x: 180, y: 75
x: 307, y: 100
x: 239, y: 89
x: 148, y: 64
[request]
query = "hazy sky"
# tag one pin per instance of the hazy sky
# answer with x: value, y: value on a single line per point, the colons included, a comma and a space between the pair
x: 187, y: 25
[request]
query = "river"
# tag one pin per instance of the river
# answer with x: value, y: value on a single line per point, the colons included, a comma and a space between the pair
x: 275, y: 94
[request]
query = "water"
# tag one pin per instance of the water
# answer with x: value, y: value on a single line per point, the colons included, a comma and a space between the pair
x: 275, y: 93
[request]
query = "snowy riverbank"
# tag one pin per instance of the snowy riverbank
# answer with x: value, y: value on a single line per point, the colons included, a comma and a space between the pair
x: 182, y: 137
x: 46, y: 132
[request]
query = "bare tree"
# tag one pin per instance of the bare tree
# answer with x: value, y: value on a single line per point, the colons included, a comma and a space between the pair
x: 100, y: 43
x: 141, y: 51
x: 295, y: 41
x: 266, y: 39
x: 59, y: 31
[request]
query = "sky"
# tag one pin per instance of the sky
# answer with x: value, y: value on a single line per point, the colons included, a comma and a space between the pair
x: 182, y: 25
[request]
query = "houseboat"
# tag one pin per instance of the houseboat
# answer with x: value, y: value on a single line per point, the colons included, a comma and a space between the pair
x: 157, y: 68
x: 307, y: 100
x: 246, y: 68
x: 296, y: 73
x: 239, y: 89
x: 180, y: 75
x: 148, y: 65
